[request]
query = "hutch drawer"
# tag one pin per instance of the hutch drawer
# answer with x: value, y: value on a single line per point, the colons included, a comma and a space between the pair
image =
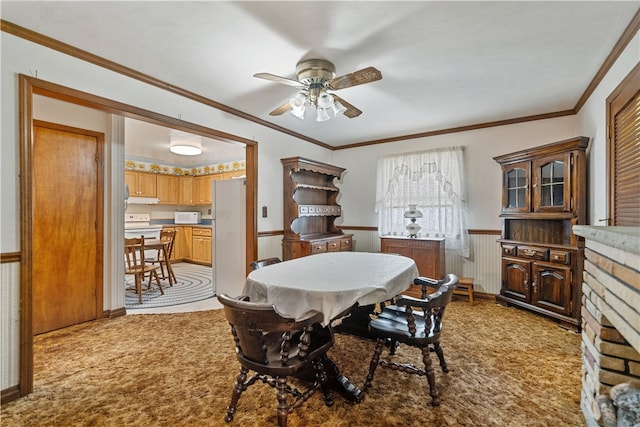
x: 533, y: 252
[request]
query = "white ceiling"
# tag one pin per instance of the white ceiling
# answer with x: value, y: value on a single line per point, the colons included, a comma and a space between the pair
x: 444, y: 64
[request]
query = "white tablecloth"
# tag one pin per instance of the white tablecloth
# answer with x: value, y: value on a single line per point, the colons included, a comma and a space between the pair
x: 330, y: 283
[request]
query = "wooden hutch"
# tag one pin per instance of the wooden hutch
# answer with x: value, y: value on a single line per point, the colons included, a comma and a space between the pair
x: 311, y: 208
x: 543, y: 196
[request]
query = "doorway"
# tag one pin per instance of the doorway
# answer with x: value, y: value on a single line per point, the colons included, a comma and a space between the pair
x: 67, y: 226
x: 29, y: 87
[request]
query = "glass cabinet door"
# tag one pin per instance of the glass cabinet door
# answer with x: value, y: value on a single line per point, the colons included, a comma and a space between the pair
x: 551, y: 183
x: 516, y: 187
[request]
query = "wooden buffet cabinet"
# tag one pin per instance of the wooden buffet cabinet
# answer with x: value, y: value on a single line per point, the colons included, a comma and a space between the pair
x: 428, y: 253
x: 310, y: 209
x: 543, y: 197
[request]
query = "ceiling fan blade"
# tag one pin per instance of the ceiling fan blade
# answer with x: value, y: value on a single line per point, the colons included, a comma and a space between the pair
x: 281, y: 109
x: 366, y: 75
x: 350, y: 111
x: 278, y: 79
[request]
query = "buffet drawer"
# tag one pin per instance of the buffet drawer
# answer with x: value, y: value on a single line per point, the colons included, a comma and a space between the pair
x: 318, y: 247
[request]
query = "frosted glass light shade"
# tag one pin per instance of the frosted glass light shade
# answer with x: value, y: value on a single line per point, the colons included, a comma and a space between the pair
x: 186, y: 148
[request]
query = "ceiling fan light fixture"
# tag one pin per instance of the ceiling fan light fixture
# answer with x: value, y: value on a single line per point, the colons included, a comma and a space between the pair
x: 325, y: 100
x: 322, y: 115
x: 338, y: 108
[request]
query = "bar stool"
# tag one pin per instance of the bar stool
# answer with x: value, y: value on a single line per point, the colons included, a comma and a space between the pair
x: 465, y: 287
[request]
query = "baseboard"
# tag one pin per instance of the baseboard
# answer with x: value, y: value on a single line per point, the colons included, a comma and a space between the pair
x: 9, y: 394
x: 115, y: 313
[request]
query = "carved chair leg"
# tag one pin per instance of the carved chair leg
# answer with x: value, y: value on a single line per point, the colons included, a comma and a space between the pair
x: 283, y: 408
x: 237, y: 391
x: 321, y: 376
x: 374, y: 363
x: 431, y: 377
x: 440, y: 353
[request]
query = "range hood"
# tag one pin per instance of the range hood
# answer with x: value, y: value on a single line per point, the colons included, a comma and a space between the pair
x: 142, y: 200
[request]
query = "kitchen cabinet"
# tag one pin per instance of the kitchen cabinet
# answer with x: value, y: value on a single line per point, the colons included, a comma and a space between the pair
x: 311, y: 208
x: 543, y: 196
x: 186, y: 191
x: 202, y: 189
x: 167, y: 189
x: 182, y: 244
x: 201, y: 246
x: 428, y: 253
x: 141, y: 184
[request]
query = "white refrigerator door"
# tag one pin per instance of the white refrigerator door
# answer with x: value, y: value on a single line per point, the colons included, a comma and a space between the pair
x: 230, y: 236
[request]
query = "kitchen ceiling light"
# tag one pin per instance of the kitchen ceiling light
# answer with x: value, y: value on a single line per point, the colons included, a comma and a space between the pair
x: 185, y: 150
x: 186, y: 146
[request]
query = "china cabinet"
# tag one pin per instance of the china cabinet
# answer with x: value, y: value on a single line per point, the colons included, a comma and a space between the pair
x: 311, y: 209
x: 543, y: 197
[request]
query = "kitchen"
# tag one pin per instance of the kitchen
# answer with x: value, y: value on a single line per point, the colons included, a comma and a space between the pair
x: 200, y: 195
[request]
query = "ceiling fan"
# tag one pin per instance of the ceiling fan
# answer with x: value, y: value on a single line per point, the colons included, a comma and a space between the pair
x: 316, y: 77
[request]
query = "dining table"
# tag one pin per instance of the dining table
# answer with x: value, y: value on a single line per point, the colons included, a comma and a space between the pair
x: 331, y: 283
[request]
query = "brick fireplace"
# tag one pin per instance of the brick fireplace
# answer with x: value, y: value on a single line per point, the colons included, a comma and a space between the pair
x: 610, y: 312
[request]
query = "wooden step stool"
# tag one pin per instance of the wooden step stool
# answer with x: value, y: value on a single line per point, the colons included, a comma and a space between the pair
x: 465, y: 287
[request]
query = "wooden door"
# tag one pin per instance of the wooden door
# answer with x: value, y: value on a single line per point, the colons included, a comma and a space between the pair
x: 623, y: 122
x: 67, y: 226
x: 186, y: 190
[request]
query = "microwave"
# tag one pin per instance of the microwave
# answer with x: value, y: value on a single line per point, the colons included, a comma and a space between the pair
x: 186, y: 217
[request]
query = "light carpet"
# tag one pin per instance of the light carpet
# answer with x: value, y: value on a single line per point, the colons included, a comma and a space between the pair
x: 194, y: 283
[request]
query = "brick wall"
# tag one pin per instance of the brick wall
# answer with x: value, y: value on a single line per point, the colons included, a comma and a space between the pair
x: 610, y: 322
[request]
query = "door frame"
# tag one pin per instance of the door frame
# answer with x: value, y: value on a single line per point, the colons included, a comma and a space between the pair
x: 28, y: 87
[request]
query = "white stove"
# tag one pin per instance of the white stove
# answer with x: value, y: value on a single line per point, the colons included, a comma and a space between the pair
x: 137, y: 225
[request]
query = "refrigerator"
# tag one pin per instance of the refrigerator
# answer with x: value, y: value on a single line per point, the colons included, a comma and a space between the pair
x: 229, y: 243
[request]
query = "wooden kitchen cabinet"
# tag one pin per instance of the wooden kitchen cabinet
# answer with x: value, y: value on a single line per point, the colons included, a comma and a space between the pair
x: 185, y: 194
x: 202, y: 189
x: 311, y: 208
x: 544, y: 195
x: 201, y: 246
x: 428, y: 253
x: 141, y: 184
x: 168, y: 189
x: 182, y: 244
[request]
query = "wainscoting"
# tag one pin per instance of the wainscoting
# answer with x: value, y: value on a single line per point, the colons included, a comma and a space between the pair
x: 9, y: 323
x: 483, y: 263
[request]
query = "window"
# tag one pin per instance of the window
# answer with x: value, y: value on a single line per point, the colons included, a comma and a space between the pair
x: 434, y: 181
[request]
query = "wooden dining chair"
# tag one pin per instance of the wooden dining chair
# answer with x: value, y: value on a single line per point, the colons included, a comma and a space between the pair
x: 167, y: 236
x: 275, y: 348
x: 136, y: 266
x: 264, y: 262
x: 416, y: 322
